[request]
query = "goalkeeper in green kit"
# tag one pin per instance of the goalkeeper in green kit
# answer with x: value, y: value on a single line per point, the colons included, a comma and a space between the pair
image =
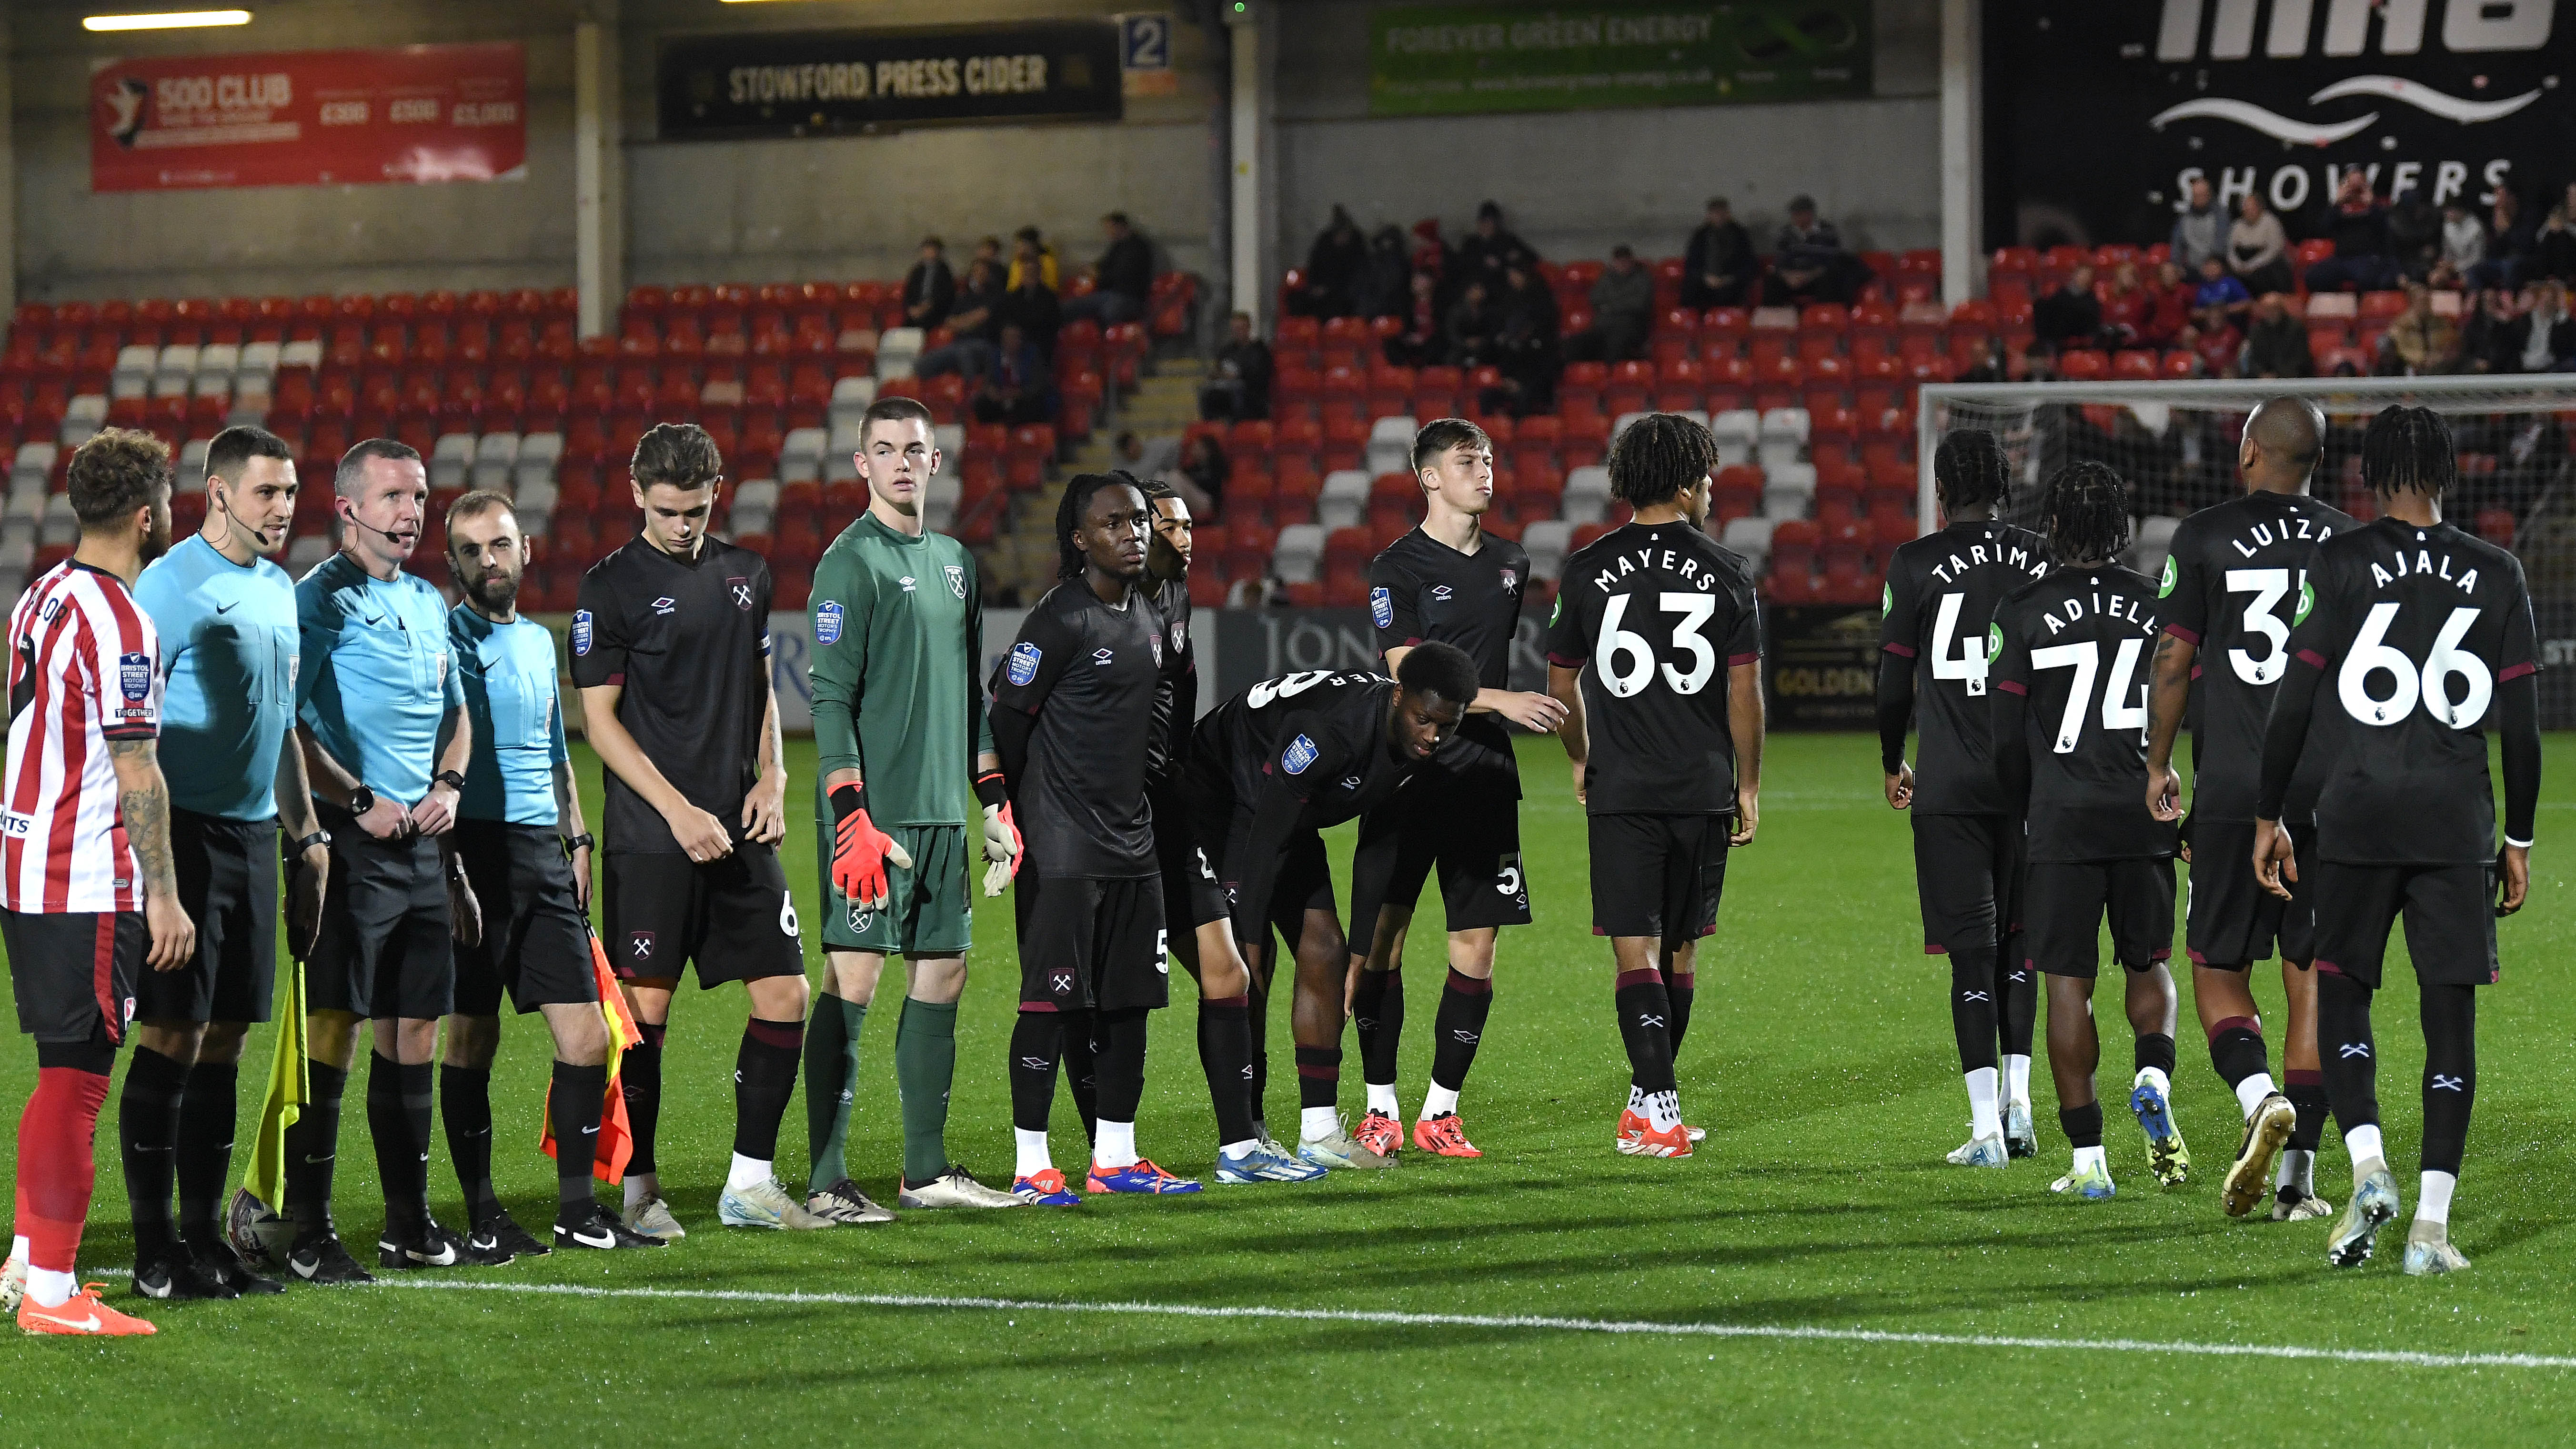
x: 901, y: 737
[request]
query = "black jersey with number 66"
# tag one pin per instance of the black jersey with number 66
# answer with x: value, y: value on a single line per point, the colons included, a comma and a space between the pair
x: 1940, y: 601
x: 2069, y: 656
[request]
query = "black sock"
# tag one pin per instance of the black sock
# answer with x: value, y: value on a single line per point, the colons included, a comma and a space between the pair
x: 1645, y: 1027
x: 207, y: 1117
x: 2018, y: 986
x: 2236, y: 1049
x: 1460, y: 1025
x: 1037, y: 1043
x: 1319, y: 1076
x: 1377, y: 1017
x: 147, y: 1126
x: 2307, y: 1092
x: 764, y: 1077
x: 2349, y: 1056
x: 1256, y: 1024
x: 398, y: 1119
x: 465, y: 1104
x: 1225, y: 1053
x: 1120, y: 1053
x: 574, y: 1101
x: 1679, y: 988
x: 2450, y: 1073
x: 1972, y: 1005
x: 1082, y: 1069
x: 639, y: 1078
x: 2155, y: 1049
x: 313, y: 1149
x: 2082, y: 1125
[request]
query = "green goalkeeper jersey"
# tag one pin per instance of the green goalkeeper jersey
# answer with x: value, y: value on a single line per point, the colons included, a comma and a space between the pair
x: 898, y: 632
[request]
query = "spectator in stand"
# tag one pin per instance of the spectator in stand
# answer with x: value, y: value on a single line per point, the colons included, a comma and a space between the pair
x: 1016, y: 387
x: 973, y: 321
x: 2358, y: 226
x: 1468, y: 335
x: 1122, y: 279
x: 1031, y: 306
x: 2169, y: 309
x: 2414, y: 233
x: 1718, y: 267
x: 1526, y: 345
x: 2219, y: 288
x: 929, y: 289
x: 1333, y: 268
x: 1146, y: 457
x: 1029, y: 248
x: 2038, y: 363
x: 2510, y: 232
x: 2482, y: 329
x: 2421, y: 342
x: 2464, y: 238
x: 1430, y: 251
x: 1992, y: 366
x: 1623, y: 312
x: 1200, y: 476
x: 2276, y: 345
x: 2071, y: 316
x: 1239, y: 388
x: 2542, y: 339
x: 1492, y: 250
x: 2125, y: 308
x: 2218, y: 343
x: 1419, y: 344
x: 2200, y: 228
x: 1808, y: 261
x: 1387, y: 282
x: 2257, y: 248
x: 2553, y: 247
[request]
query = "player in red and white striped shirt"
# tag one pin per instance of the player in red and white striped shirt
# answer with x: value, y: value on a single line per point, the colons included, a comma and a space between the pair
x: 86, y: 875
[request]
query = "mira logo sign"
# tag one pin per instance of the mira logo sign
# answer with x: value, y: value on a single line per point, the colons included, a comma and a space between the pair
x: 2190, y: 32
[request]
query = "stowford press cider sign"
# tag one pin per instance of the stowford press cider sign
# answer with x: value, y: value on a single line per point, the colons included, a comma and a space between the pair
x: 841, y: 82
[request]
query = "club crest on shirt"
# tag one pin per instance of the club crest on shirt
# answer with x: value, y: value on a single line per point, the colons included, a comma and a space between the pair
x: 1155, y: 642
x: 1299, y: 754
x: 1180, y: 636
x: 1381, y: 608
x: 1024, y: 662
x: 134, y: 675
x: 1511, y: 581
x: 581, y: 632
x: 827, y: 623
x: 957, y: 579
x: 740, y: 587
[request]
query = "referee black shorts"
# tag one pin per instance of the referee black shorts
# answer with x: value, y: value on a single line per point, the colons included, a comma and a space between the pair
x: 1658, y: 875
x: 2449, y: 912
x: 1967, y: 872
x: 1092, y: 943
x: 2065, y: 903
x: 228, y: 885
x: 732, y: 918
x: 2230, y: 921
x: 73, y: 972
x: 387, y: 947
x: 536, y: 941
x: 1467, y: 825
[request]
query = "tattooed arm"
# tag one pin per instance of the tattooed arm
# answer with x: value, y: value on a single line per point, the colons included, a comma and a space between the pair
x: 143, y: 805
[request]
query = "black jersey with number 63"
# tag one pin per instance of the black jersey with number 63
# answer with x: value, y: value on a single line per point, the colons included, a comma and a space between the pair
x: 2414, y: 630
x: 1659, y: 613
x: 1940, y: 601
x: 2075, y: 646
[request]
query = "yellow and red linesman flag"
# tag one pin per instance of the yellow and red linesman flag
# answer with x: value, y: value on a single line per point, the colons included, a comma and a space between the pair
x: 616, y: 1138
x: 288, y: 1091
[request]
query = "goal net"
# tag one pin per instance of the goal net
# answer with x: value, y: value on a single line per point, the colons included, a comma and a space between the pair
x: 2176, y: 443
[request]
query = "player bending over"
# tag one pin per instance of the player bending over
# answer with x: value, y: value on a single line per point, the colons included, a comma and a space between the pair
x: 2230, y: 585
x: 2421, y: 636
x: 1656, y: 653
x: 1967, y: 851
x: 2068, y: 667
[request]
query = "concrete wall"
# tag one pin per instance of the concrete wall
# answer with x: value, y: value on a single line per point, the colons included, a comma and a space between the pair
x: 1574, y: 184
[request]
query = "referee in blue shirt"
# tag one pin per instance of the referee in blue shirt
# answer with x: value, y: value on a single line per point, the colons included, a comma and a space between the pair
x: 226, y: 617
x: 519, y: 834
x: 376, y: 690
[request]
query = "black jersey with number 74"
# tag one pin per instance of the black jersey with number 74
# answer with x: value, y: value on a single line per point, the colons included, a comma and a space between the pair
x: 2075, y: 646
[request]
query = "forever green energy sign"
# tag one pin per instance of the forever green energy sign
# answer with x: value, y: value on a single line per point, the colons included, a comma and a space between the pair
x: 1433, y: 60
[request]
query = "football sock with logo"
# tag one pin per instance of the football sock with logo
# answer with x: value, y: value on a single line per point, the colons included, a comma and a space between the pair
x: 398, y: 1113
x: 2450, y: 1016
x: 1377, y: 1016
x: 1645, y: 1028
x: 1465, y: 1002
x: 313, y: 1149
x: 831, y: 1083
x: 1256, y: 1029
x: 925, y: 1066
x: 2351, y: 1062
x: 2017, y: 1008
x: 2236, y: 1049
x: 1037, y: 1042
x: 575, y: 1100
x: 1082, y: 1068
x: 1225, y: 1052
x: 639, y: 1079
x: 764, y: 1074
x: 1680, y: 987
x: 207, y: 1115
x: 1972, y: 1005
x: 1121, y: 1057
x: 465, y: 1104
x: 147, y: 1127
x: 2306, y: 1089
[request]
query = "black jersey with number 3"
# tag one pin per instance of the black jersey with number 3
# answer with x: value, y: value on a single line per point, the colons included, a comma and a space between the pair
x: 2230, y: 587
x: 2074, y: 647
x: 1089, y: 672
x: 1659, y: 612
x: 1939, y: 604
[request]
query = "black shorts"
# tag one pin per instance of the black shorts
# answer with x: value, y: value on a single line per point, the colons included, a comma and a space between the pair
x: 1092, y: 943
x: 536, y: 941
x: 73, y: 971
x: 2450, y: 921
x: 1468, y: 825
x: 732, y: 917
x: 2230, y: 921
x: 1658, y: 875
x: 228, y: 886
x: 1967, y: 870
x: 1192, y: 895
x: 2064, y: 903
x: 387, y: 948
x: 1303, y: 882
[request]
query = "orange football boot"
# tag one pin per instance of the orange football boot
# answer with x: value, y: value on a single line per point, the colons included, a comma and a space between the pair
x: 82, y: 1313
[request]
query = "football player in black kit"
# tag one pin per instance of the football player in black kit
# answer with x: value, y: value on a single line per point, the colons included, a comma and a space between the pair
x: 1656, y: 653
x: 2229, y: 586
x: 1267, y: 770
x: 2421, y: 636
x: 1941, y: 593
x: 2068, y: 669
x: 1449, y: 581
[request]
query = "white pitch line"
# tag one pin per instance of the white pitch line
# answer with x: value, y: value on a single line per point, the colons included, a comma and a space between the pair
x: 1641, y: 1327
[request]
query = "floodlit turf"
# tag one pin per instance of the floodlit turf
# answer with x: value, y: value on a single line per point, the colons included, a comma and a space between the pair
x: 1820, y: 1059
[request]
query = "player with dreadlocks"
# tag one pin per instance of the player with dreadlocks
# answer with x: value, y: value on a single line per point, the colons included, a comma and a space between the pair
x: 2066, y: 660
x: 2425, y: 633
x: 1071, y: 702
x: 1967, y: 849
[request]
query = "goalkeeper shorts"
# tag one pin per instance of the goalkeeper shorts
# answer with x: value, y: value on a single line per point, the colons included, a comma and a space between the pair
x: 929, y: 910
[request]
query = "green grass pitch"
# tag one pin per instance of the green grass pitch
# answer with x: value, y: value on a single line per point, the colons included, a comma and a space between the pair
x: 1819, y: 1059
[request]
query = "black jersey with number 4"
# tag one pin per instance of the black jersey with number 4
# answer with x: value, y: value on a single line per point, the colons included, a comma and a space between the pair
x: 1939, y: 604
x: 1423, y: 591
x: 688, y: 639
x: 2414, y: 630
x: 2229, y: 589
x: 2074, y: 647
x: 1655, y: 614
x: 1089, y: 672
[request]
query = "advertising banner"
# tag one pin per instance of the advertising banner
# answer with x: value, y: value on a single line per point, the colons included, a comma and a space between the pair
x: 1447, y: 60
x: 2099, y: 116
x: 852, y: 82
x: 310, y: 118
x: 1820, y: 663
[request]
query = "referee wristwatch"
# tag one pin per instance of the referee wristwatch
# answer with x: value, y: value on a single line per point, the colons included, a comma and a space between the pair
x: 452, y: 779
x: 318, y: 837
x: 582, y: 841
x: 361, y: 800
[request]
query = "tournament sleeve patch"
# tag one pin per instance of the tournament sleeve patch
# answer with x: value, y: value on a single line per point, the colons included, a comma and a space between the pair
x: 1381, y: 607
x: 581, y: 630
x: 1024, y: 662
x: 2307, y: 601
x: 1887, y: 599
x: 134, y: 675
x: 827, y: 622
x: 1299, y: 755
x: 1994, y: 642
x: 2166, y: 585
